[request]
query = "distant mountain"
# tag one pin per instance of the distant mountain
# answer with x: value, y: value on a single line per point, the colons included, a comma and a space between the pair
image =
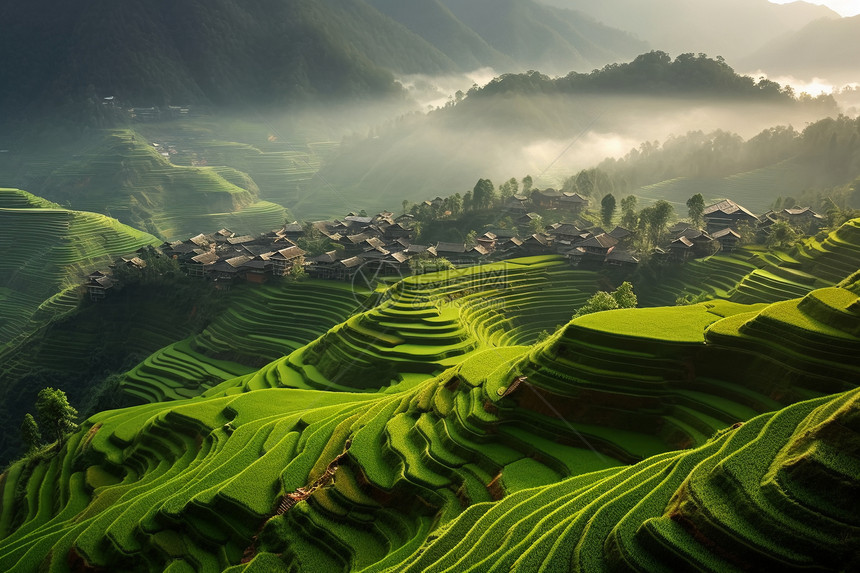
x: 156, y: 52
x: 513, y: 34
x: 824, y: 49
x: 434, y: 21
x: 260, y: 52
x: 731, y: 28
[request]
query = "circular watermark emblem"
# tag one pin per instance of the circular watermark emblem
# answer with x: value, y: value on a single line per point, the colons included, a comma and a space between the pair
x: 369, y: 275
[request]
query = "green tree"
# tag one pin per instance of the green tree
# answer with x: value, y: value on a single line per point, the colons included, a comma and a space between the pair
x: 607, y: 209
x: 696, y: 207
x: 536, y: 225
x: 599, y: 301
x: 628, y: 212
x: 528, y: 182
x: 656, y: 217
x: 456, y: 204
x: 781, y: 235
x: 405, y: 205
x: 30, y: 435
x: 747, y: 233
x: 622, y: 297
x: 484, y: 194
x: 471, y: 238
x: 55, y: 413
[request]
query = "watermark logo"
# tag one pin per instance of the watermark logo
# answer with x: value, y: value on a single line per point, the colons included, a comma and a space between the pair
x: 369, y: 276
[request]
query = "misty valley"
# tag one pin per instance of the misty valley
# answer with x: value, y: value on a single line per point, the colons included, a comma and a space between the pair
x: 430, y: 285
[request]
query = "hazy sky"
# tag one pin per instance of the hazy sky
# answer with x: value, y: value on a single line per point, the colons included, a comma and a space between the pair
x: 844, y: 7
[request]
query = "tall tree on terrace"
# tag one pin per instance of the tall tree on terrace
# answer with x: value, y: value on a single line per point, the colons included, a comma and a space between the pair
x: 663, y: 211
x: 628, y: 212
x: 607, y: 209
x: 527, y: 184
x: 696, y: 207
x: 483, y: 194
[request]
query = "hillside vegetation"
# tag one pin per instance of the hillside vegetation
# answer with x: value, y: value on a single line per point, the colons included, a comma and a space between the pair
x: 714, y: 434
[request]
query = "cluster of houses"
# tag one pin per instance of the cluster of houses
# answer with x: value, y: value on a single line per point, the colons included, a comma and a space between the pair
x: 382, y: 245
x: 722, y: 221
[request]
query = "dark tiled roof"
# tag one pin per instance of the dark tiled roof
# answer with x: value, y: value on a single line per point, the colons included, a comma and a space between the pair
x: 288, y: 254
x: 205, y: 258
x: 619, y: 233
x: 622, y: 256
x: 573, y: 198
x: 681, y: 243
x: 726, y: 232
x: 450, y: 248
x: 200, y: 240
x: 351, y: 262
x: 327, y: 257
x: 727, y: 207
x: 237, y: 262
x: 359, y: 220
x: 601, y: 241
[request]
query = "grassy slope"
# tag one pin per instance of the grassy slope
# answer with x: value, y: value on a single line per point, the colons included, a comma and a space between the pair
x: 754, y: 274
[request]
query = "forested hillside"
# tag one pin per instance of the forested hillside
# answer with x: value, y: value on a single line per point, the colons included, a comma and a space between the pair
x: 222, y: 52
x: 275, y: 52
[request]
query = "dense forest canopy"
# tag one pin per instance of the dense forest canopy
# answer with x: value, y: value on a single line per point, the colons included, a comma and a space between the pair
x: 652, y: 73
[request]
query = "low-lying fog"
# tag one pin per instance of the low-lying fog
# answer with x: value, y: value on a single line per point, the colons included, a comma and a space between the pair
x: 549, y: 137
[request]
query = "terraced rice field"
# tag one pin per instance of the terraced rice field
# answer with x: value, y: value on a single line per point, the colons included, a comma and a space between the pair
x: 127, y: 178
x: 753, y: 275
x: 429, y: 322
x: 451, y: 473
x: 260, y: 325
x: 720, y: 436
x: 47, y: 253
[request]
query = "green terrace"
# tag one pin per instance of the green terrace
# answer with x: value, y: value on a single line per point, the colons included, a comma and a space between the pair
x: 754, y: 274
x: 422, y: 428
x: 450, y: 472
x: 48, y: 250
x: 259, y: 325
x: 127, y: 177
x: 679, y: 374
x: 428, y: 322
